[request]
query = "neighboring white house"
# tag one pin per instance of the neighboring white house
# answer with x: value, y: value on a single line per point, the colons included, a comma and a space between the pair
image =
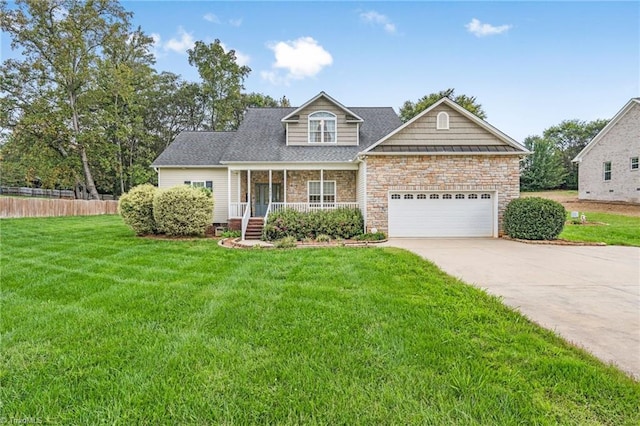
x: 608, y: 167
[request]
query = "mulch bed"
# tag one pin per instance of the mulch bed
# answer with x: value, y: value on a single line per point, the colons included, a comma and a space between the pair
x: 557, y: 242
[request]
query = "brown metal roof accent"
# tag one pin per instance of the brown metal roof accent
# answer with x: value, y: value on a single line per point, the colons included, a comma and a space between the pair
x: 444, y: 148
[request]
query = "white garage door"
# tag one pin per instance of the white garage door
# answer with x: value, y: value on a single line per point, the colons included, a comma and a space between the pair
x: 441, y: 214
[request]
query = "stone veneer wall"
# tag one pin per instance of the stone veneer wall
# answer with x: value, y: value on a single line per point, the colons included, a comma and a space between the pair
x: 438, y: 172
x: 297, y: 189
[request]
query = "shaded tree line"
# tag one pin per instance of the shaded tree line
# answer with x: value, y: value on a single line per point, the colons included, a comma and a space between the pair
x: 84, y: 108
x: 550, y: 165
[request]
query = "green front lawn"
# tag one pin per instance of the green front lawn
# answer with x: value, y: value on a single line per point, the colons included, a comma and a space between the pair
x: 99, y: 326
x: 608, y: 228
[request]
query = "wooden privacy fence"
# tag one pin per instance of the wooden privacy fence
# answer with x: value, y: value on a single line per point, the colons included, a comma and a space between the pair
x: 40, y: 207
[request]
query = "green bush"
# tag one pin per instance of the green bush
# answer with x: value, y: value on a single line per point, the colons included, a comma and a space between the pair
x: 136, y: 209
x: 323, y: 238
x: 371, y: 236
x: 337, y: 223
x: 286, y: 242
x: 534, y: 218
x: 182, y: 211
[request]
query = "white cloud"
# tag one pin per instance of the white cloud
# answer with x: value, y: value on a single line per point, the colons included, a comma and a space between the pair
x: 181, y: 44
x: 156, y: 45
x: 241, y: 58
x: 376, y: 18
x: 479, y: 29
x: 235, y: 22
x: 300, y: 58
x: 211, y: 18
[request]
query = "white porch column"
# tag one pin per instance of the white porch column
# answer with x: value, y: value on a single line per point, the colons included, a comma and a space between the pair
x: 270, y: 195
x: 249, y: 189
x: 239, y: 187
x: 321, y: 188
x: 284, y: 178
x: 228, y: 192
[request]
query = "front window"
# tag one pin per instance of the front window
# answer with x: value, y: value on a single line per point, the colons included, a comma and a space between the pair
x: 607, y: 170
x: 634, y: 163
x: 328, y: 194
x: 322, y: 127
x: 197, y: 183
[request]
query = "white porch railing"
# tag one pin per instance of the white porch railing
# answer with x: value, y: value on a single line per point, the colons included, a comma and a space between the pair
x: 245, y: 220
x: 309, y: 207
x: 266, y: 214
x: 237, y: 209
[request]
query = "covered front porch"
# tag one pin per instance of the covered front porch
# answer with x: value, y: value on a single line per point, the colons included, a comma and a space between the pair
x: 255, y: 191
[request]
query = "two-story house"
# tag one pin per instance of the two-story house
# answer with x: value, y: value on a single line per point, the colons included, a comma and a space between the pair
x: 445, y: 173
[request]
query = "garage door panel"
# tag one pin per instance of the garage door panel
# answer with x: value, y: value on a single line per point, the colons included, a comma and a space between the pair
x: 438, y: 217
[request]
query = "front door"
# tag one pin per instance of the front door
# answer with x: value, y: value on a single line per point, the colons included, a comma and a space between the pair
x: 262, y: 197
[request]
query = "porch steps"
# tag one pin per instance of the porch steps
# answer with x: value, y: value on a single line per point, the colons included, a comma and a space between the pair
x: 254, y: 228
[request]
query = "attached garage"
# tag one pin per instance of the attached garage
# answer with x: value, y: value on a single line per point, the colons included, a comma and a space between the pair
x: 442, y: 214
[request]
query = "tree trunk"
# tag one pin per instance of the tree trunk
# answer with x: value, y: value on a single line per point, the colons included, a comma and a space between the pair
x: 88, y: 176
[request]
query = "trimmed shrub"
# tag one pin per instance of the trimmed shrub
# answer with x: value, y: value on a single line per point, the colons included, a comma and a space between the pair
x: 534, y: 218
x: 337, y: 223
x: 182, y: 211
x: 136, y: 209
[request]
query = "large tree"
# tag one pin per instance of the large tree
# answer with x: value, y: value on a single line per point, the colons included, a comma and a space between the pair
x: 543, y: 169
x: 570, y: 137
x: 61, y: 42
x: 411, y: 109
x: 222, y: 84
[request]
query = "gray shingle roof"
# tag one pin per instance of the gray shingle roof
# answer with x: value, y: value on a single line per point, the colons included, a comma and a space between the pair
x: 195, y: 149
x: 261, y: 138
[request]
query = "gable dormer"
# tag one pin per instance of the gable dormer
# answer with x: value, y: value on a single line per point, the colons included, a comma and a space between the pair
x: 322, y: 121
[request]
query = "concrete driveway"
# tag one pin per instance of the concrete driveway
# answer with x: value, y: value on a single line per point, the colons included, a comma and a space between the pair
x: 589, y: 295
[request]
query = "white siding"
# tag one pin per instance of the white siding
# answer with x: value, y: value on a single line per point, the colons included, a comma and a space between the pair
x: 168, y: 177
x: 618, y: 145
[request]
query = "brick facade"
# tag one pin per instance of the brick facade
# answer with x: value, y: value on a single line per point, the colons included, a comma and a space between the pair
x: 617, y: 146
x: 438, y: 172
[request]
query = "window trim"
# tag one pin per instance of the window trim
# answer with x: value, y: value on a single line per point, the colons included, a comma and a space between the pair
x: 322, y: 193
x: 333, y: 118
x: 444, y: 125
x: 636, y: 163
x: 607, y: 169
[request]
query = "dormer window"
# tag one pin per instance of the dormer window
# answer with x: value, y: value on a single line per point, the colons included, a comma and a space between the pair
x: 442, y: 121
x: 322, y: 127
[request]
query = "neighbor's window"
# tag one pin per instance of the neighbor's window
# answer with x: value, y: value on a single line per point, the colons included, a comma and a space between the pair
x: 442, y: 121
x: 322, y: 127
x: 607, y: 170
x: 329, y: 191
x: 634, y: 163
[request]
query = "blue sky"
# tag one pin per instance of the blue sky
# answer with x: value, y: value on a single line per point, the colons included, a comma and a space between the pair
x: 530, y: 64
